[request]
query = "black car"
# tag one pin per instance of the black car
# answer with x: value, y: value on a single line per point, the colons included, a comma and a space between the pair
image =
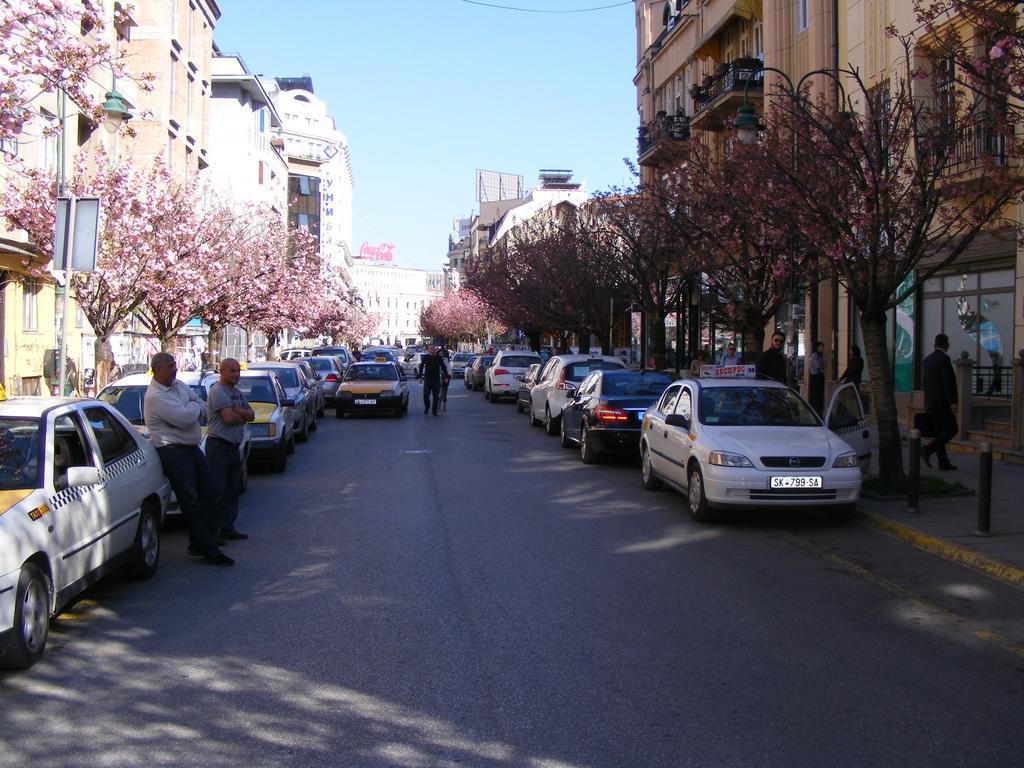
x: 605, y: 413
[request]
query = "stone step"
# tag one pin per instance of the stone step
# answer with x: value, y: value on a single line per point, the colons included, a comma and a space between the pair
x: 972, y: 448
x: 996, y: 425
x: 997, y: 439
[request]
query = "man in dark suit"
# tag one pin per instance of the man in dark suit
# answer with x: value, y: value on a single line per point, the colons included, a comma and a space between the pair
x: 771, y: 364
x: 940, y: 400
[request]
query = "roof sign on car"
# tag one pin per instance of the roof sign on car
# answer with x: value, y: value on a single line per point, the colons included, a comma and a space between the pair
x: 728, y: 371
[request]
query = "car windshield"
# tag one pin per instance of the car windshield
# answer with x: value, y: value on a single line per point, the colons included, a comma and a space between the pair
x: 288, y: 377
x: 578, y: 371
x: 633, y: 384
x: 321, y: 364
x: 372, y: 373
x: 518, y: 361
x: 19, y: 454
x: 257, y: 389
x: 754, y: 407
x: 128, y: 400
x: 461, y: 357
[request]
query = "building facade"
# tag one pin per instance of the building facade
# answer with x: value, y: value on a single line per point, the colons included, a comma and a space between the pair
x: 396, y: 296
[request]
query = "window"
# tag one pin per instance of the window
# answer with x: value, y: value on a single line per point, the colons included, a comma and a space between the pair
x: 668, y: 400
x: 684, y: 406
x: 945, y: 89
x: 801, y: 15
x: 70, y: 449
x: 113, y: 439
x: 30, y: 306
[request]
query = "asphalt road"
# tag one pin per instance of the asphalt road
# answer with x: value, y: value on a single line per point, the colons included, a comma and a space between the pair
x: 462, y: 591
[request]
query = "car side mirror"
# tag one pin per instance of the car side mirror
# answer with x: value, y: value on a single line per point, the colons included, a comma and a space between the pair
x: 677, y: 420
x: 82, y: 476
x: 288, y: 403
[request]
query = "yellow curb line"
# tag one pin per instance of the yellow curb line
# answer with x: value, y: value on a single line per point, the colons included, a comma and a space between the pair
x: 990, y: 566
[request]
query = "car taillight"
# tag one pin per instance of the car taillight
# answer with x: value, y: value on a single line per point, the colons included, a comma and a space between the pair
x: 499, y: 372
x: 561, y: 383
x: 608, y: 413
x: 330, y: 377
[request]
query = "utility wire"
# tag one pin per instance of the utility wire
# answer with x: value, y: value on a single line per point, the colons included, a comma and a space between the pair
x: 542, y: 10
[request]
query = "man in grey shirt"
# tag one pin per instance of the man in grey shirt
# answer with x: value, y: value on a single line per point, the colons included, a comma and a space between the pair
x: 172, y: 413
x: 227, y: 414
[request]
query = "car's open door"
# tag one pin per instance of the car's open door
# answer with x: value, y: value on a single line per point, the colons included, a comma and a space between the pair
x: 846, y: 417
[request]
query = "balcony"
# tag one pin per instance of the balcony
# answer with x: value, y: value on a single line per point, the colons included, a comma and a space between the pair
x: 656, y: 138
x: 975, y: 141
x: 720, y: 95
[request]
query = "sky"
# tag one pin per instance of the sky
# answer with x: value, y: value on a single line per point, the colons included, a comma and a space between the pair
x: 428, y: 92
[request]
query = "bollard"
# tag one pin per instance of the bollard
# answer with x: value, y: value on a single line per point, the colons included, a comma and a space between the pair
x: 985, y: 491
x: 914, y: 472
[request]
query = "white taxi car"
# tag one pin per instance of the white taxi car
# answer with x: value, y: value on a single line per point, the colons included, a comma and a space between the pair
x: 746, y: 442
x: 80, y: 493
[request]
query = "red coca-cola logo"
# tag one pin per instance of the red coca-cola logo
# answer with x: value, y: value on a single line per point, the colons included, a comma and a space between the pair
x: 382, y: 252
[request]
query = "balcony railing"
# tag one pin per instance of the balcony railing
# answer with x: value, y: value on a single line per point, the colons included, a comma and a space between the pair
x: 730, y: 78
x: 973, y: 141
x: 662, y: 128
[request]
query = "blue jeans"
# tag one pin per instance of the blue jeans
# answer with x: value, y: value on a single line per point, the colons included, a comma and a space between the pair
x: 190, y: 478
x: 226, y: 468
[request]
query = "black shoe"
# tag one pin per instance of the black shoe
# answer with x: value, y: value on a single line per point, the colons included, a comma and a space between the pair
x: 193, y: 552
x: 233, y: 535
x: 219, y: 558
x: 946, y: 468
x: 425, y: 409
x: 434, y: 412
x: 925, y: 458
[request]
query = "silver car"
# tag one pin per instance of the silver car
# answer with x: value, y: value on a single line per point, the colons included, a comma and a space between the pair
x: 296, y: 389
x: 328, y: 370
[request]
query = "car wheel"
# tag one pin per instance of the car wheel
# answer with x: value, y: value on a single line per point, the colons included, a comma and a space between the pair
x: 519, y: 406
x: 697, y: 501
x: 316, y: 422
x: 339, y: 412
x: 551, y: 423
x: 322, y: 409
x: 146, y: 549
x: 27, y: 639
x: 290, y: 445
x: 466, y: 382
x: 303, y: 435
x: 588, y: 454
x: 650, y: 480
x: 492, y: 397
x: 534, y: 421
x: 280, y: 460
x: 564, y: 438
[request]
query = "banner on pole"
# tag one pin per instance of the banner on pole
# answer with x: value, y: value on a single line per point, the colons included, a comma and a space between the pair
x: 86, y: 236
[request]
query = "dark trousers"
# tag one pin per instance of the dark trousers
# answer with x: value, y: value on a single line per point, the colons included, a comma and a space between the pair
x: 431, y: 388
x: 816, y: 392
x: 226, y: 468
x: 190, y: 478
x: 945, y: 430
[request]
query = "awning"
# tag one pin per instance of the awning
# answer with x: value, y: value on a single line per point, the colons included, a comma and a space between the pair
x: 19, y: 256
x: 708, y: 45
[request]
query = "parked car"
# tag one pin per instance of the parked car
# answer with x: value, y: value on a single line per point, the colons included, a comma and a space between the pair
x: 500, y: 378
x: 329, y: 370
x: 411, y: 364
x: 314, y: 384
x: 747, y: 442
x: 525, y: 384
x: 272, y: 433
x: 83, y: 493
x: 293, y: 379
x: 467, y: 372
x: 475, y: 372
x: 458, y: 363
x: 295, y: 354
x: 560, y: 375
x: 128, y: 394
x: 605, y: 413
x: 341, y: 353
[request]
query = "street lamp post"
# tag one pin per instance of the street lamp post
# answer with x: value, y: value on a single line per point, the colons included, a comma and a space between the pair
x: 747, y: 126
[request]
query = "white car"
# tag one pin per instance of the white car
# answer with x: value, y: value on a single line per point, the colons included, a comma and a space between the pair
x: 459, y: 362
x: 411, y: 364
x: 128, y: 393
x: 502, y: 378
x: 560, y: 375
x: 80, y: 493
x: 746, y: 442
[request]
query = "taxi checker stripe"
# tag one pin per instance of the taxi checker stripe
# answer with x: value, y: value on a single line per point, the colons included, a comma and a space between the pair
x: 61, y: 498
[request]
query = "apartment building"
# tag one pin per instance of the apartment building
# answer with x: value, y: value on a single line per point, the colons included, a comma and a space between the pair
x: 396, y: 295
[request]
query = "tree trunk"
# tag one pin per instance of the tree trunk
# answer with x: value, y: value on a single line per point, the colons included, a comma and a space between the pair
x: 876, y: 354
x: 214, y: 345
x: 534, y: 339
x: 753, y: 343
x: 167, y: 343
x: 657, y: 339
x: 104, y: 360
x: 271, y: 345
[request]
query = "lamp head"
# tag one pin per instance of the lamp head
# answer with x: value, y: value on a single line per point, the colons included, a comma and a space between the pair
x: 746, y: 124
x: 115, y: 110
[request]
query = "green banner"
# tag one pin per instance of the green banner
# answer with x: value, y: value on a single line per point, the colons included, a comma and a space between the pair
x: 903, y: 348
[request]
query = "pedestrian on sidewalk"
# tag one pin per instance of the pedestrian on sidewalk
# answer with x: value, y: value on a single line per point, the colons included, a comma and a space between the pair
x: 941, y: 401
x: 816, y: 378
x: 771, y: 364
x: 854, y: 369
x: 434, y: 373
x: 729, y: 356
x: 227, y: 414
x: 172, y: 412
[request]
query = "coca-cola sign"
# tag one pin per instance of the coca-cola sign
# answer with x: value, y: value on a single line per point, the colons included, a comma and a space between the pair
x: 382, y: 252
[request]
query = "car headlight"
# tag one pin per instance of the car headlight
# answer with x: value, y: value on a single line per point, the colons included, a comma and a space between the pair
x: 388, y: 393
x: 846, y: 460
x: 725, y: 459
x: 260, y: 430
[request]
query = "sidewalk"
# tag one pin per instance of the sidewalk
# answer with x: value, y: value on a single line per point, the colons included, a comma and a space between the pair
x: 946, y: 526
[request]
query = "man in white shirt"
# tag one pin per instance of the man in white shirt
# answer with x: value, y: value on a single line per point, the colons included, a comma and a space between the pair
x: 172, y: 413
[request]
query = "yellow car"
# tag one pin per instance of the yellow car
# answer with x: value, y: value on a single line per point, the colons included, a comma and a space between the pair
x: 272, y: 436
x: 373, y: 387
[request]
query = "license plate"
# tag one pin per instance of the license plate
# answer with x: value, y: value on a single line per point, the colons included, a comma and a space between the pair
x: 796, y: 481
x: 365, y: 401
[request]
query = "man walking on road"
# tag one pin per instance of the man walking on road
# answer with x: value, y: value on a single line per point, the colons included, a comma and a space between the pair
x: 434, y: 372
x: 171, y: 412
x: 227, y: 414
x: 940, y: 400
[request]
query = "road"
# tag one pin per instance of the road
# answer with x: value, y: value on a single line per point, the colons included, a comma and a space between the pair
x: 462, y: 591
